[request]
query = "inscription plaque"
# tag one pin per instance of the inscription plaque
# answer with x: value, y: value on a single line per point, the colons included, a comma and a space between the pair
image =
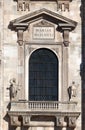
x: 43, y: 33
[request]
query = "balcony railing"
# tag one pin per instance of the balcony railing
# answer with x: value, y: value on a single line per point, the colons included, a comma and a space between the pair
x: 51, y: 105
x: 43, y: 105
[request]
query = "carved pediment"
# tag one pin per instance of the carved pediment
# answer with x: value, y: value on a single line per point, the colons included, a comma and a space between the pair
x: 62, y: 23
x: 48, y: 15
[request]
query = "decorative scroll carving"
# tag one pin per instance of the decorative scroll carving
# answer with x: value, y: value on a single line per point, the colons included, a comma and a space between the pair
x: 43, y: 23
x: 22, y: 5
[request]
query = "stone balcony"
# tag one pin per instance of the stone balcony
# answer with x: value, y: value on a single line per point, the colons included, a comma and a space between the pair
x: 24, y: 111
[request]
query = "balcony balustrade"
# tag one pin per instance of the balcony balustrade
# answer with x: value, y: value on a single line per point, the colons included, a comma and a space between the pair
x: 43, y: 105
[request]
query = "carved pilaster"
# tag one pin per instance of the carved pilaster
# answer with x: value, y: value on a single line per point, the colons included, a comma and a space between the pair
x: 21, y: 71
x: 65, y: 73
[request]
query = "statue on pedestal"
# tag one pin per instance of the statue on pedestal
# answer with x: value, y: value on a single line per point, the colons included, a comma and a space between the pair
x: 72, y: 91
x: 13, y: 89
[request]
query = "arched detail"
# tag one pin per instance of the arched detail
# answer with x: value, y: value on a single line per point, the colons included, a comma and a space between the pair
x: 43, y: 75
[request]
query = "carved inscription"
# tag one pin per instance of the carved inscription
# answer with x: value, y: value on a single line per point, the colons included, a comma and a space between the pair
x: 43, y: 33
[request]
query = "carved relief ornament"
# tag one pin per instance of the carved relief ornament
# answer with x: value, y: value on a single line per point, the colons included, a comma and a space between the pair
x: 62, y: 5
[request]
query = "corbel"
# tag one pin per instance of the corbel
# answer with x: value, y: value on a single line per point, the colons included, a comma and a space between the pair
x: 20, y: 37
x: 59, y: 121
x: 66, y: 37
x: 14, y: 121
x: 72, y: 121
x: 26, y: 120
x: 20, y: 30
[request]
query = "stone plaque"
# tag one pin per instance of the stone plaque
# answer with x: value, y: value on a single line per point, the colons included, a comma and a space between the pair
x: 43, y: 33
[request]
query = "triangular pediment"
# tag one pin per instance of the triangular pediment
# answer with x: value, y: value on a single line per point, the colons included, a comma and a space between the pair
x: 45, y: 14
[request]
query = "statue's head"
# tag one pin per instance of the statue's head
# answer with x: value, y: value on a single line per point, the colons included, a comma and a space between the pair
x: 13, y: 80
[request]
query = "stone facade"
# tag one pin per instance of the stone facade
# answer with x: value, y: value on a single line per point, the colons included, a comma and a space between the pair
x: 22, y: 22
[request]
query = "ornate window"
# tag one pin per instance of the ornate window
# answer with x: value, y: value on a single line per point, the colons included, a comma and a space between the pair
x: 43, y: 76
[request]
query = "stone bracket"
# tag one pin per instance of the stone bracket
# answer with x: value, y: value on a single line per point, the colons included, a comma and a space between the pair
x: 20, y: 31
x: 59, y: 121
x: 20, y: 37
x: 66, y: 37
x: 72, y: 121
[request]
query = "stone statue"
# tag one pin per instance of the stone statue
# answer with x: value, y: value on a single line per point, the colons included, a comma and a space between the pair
x: 72, y: 91
x: 13, y: 89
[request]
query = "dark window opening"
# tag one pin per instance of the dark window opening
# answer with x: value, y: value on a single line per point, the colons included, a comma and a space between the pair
x: 43, y: 76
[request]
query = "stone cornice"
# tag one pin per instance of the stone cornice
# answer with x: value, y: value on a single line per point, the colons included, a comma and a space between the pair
x: 43, y: 14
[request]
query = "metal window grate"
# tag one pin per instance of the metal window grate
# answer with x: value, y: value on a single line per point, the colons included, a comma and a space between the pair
x: 43, y: 76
